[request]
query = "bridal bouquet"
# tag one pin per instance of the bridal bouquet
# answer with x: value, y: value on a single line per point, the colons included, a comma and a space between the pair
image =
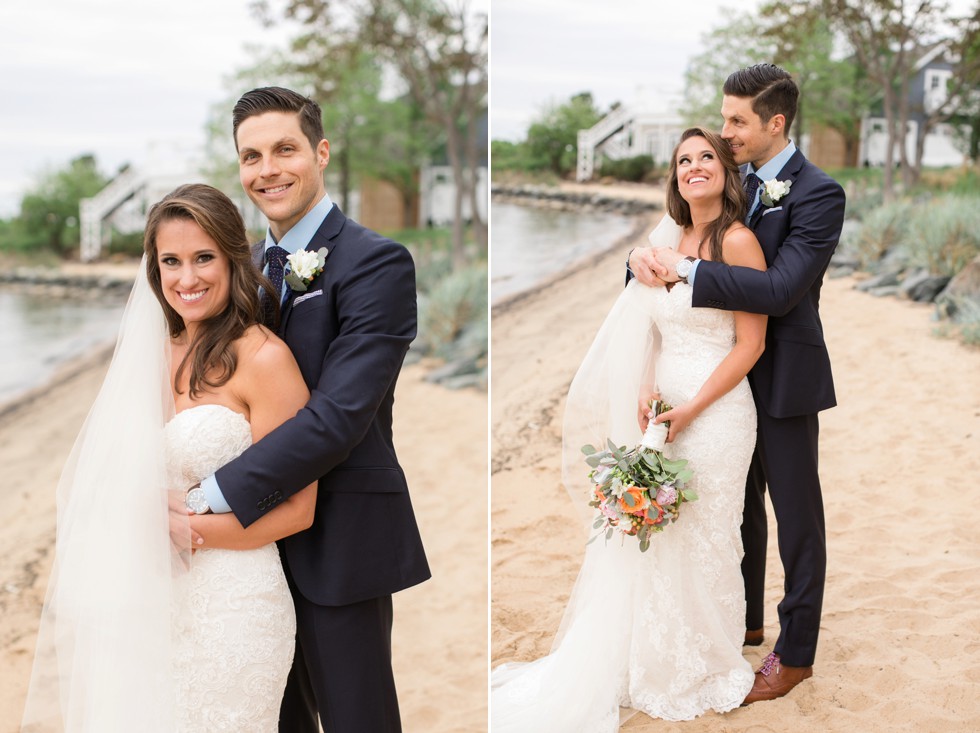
x: 638, y: 491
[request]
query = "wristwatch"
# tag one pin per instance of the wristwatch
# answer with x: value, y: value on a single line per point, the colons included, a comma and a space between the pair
x: 683, y: 268
x: 197, y: 502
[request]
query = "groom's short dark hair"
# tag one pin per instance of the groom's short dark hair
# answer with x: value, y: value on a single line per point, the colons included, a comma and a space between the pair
x: 277, y: 99
x: 771, y: 89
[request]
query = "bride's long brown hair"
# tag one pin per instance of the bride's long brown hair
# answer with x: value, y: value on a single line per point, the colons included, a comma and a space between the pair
x: 733, y: 204
x: 211, y: 357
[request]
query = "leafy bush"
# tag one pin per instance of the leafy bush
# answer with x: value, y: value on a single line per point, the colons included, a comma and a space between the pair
x: 944, y: 234
x: 881, y: 229
x: 454, y: 302
x: 627, y: 169
x: 130, y: 243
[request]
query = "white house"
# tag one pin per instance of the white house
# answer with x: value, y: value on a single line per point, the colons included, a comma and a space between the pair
x: 124, y: 203
x: 927, y: 91
x: 627, y: 132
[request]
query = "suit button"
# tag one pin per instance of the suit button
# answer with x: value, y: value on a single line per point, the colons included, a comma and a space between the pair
x: 261, y: 505
x: 277, y: 496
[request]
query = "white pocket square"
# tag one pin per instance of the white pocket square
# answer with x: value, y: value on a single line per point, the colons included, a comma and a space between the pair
x: 306, y: 296
x: 769, y: 211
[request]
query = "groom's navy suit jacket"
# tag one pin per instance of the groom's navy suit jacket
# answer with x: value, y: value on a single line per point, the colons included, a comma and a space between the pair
x: 349, y: 333
x: 798, y: 235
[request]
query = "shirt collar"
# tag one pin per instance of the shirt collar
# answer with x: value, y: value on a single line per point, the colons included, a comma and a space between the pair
x: 771, y: 169
x: 302, y: 231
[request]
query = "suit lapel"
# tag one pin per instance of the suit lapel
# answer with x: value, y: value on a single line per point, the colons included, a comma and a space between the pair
x: 325, y: 236
x: 789, y: 172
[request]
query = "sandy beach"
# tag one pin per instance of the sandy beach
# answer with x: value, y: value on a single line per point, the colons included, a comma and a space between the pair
x: 900, y: 455
x: 440, y: 632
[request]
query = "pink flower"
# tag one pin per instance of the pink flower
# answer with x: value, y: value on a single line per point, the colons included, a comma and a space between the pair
x: 666, y: 495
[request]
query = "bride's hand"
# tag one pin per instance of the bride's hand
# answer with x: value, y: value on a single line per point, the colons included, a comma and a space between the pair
x: 643, y: 264
x: 680, y: 417
x: 665, y: 262
x: 182, y: 536
x: 644, y: 410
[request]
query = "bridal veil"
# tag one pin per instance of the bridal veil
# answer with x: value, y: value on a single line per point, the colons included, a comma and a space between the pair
x: 103, y: 659
x: 577, y: 687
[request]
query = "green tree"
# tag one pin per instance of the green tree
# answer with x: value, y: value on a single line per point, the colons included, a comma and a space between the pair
x: 886, y: 37
x: 797, y: 37
x: 509, y: 156
x: 49, y: 211
x: 725, y: 50
x: 439, y: 50
x: 552, y: 139
x: 834, y: 92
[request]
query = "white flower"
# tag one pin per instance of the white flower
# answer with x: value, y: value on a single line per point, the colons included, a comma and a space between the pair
x: 304, y: 266
x: 655, y: 436
x: 774, y: 190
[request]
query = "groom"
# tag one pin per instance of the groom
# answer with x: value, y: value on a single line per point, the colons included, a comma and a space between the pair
x: 349, y: 331
x: 798, y: 225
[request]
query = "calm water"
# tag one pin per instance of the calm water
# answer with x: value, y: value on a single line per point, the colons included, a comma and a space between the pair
x: 530, y: 244
x: 39, y: 334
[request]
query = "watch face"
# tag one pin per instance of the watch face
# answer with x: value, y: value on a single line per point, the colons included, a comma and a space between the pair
x: 683, y: 268
x: 197, y: 502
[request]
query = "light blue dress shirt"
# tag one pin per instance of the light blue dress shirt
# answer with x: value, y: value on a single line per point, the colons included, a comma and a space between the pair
x: 767, y: 172
x: 293, y: 241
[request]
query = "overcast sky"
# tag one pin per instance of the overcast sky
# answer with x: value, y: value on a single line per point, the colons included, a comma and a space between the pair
x: 544, y: 51
x: 116, y: 78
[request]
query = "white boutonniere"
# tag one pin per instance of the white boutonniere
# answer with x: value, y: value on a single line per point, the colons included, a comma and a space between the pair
x: 773, y: 191
x: 303, y: 267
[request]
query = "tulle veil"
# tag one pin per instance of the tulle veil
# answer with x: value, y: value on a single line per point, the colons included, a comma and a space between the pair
x: 103, y: 658
x: 577, y: 686
x: 602, y: 398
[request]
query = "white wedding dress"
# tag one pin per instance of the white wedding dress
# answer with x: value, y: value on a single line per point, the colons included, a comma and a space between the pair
x: 234, y: 626
x: 661, y: 631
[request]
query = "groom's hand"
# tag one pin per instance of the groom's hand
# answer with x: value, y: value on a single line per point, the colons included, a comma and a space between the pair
x: 642, y: 263
x: 664, y: 263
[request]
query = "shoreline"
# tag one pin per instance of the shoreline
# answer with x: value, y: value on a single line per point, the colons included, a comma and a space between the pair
x: 641, y: 223
x: 643, y: 219
x: 898, y: 611
x: 66, y: 371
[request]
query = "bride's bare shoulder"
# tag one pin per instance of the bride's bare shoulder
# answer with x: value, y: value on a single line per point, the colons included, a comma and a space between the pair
x: 741, y: 247
x: 259, y: 348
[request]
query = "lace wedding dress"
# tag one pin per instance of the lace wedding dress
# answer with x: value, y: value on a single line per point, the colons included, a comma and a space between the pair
x: 661, y: 631
x: 234, y: 624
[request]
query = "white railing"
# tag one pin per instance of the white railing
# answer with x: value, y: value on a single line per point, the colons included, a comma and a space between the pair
x: 94, y: 211
x: 589, y: 140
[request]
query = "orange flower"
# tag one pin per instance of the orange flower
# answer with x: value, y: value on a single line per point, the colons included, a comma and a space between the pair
x: 640, y: 501
x: 656, y: 509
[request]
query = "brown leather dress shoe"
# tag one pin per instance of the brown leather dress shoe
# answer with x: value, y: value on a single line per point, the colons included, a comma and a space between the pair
x: 753, y: 637
x: 774, y: 680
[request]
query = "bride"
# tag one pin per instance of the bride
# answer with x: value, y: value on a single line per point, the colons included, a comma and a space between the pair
x: 137, y: 633
x: 661, y: 631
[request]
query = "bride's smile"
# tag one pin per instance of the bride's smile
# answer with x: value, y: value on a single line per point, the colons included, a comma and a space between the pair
x: 194, y: 272
x: 700, y: 175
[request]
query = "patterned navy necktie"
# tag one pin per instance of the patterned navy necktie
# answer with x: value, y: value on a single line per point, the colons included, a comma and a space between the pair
x: 751, y: 185
x: 276, y: 257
